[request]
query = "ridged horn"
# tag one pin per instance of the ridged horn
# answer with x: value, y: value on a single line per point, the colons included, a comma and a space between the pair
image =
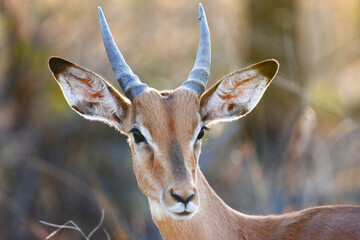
x: 129, y: 82
x: 200, y: 73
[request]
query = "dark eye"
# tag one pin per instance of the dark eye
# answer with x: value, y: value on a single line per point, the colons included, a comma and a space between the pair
x: 201, y: 133
x: 138, y: 137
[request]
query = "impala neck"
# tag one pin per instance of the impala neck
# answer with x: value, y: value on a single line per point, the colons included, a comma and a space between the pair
x: 214, y: 217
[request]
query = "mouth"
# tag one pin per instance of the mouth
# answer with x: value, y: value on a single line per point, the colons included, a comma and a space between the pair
x: 180, y: 211
x: 182, y: 215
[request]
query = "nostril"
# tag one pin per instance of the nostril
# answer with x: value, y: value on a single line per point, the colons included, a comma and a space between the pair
x: 182, y: 199
x: 189, y: 197
x: 177, y: 197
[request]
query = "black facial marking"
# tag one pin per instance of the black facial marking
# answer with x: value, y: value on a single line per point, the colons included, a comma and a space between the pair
x: 177, y: 160
x: 151, y: 155
x: 165, y: 94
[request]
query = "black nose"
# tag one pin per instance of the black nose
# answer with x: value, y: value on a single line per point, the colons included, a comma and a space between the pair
x: 182, y: 199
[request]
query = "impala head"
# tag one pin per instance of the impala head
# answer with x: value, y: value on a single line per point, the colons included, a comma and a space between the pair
x: 164, y: 128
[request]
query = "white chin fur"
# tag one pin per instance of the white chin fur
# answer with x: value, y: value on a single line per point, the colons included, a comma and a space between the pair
x: 178, y: 212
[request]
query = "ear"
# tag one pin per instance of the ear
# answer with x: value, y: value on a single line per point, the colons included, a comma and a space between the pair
x: 238, y: 93
x: 89, y: 94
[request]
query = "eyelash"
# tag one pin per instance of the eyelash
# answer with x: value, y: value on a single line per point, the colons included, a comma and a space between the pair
x: 202, y: 132
x: 138, y: 136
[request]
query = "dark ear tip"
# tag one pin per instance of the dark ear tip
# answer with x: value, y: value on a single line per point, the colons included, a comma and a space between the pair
x: 269, y: 68
x: 58, y: 65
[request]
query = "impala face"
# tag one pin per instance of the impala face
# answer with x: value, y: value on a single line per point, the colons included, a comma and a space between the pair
x: 164, y: 128
x: 165, y: 140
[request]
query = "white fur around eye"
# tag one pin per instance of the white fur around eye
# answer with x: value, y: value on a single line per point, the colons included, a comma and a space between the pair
x: 145, y: 132
x: 196, y: 133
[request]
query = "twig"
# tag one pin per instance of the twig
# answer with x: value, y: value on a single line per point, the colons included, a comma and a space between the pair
x: 107, y: 234
x: 98, y: 226
x: 76, y: 227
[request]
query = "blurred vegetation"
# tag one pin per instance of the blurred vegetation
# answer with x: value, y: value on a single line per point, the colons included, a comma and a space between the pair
x: 300, y: 147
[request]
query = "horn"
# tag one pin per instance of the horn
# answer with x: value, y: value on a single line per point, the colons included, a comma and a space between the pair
x: 129, y: 82
x: 200, y: 73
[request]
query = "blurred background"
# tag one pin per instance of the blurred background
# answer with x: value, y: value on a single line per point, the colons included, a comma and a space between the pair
x: 300, y: 147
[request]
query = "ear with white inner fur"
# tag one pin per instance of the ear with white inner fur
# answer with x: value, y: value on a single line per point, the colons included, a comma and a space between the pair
x: 89, y: 94
x: 238, y: 93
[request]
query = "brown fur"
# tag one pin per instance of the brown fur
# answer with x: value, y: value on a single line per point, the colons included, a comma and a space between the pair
x: 168, y: 161
x: 164, y: 126
x: 214, y: 219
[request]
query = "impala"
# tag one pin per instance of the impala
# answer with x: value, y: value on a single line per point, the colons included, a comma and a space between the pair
x: 165, y: 130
